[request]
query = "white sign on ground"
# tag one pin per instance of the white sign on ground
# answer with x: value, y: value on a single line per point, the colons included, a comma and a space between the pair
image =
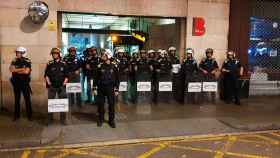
x: 165, y: 86
x: 73, y: 88
x: 123, y: 87
x: 58, y: 105
x: 194, y: 87
x: 210, y: 86
x: 144, y: 86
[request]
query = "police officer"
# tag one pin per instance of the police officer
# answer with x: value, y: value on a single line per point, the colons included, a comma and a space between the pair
x: 189, y: 71
x: 123, y: 66
x: 209, y: 68
x: 152, y: 61
x: 163, y: 74
x: 176, y: 80
x: 56, y: 79
x: 106, y: 87
x: 143, y: 70
x: 21, y: 70
x: 73, y: 64
x: 231, y: 70
x: 91, y: 64
x: 132, y: 77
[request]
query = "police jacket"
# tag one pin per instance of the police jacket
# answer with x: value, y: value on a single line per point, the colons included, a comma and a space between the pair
x: 107, y: 75
x: 93, y: 63
x: 189, y: 66
x: 72, y: 62
x: 209, y: 64
x: 21, y: 63
x: 56, y: 72
x: 233, y: 65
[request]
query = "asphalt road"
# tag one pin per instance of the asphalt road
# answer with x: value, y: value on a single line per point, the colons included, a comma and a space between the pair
x: 245, y: 145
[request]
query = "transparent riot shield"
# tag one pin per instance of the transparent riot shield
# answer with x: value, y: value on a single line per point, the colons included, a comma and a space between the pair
x: 193, y: 88
x: 144, y: 92
x: 163, y: 87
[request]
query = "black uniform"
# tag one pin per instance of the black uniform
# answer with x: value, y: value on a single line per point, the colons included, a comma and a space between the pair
x: 57, y: 73
x: 132, y: 81
x: 73, y: 64
x: 144, y: 74
x: 163, y: 74
x: 107, y: 83
x: 231, y: 86
x: 123, y: 66
x: 176, y: 79
x: 91, y: 73
x: 189, y: 71
x: 209, y: 64
x: 20, y: 84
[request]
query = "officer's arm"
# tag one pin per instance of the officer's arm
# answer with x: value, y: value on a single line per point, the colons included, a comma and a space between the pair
x: 224, y: 69
x: 117, y: 81
x: 201, y: 68
x: 13, y: 69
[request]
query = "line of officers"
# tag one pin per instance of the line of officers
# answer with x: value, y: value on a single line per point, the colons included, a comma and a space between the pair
x: 104, y: 72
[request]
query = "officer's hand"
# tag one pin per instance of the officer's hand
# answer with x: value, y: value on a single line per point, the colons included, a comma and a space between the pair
x: 116, y: 93
x: 158, y: 70
x: 77, y: 72
x: 88, y: 66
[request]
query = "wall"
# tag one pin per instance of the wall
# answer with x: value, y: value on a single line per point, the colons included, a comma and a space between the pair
x: 216, y: 15
x: 16, y: 30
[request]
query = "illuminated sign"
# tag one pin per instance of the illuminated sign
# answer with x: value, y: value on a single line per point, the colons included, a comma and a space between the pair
x: 139, y: 37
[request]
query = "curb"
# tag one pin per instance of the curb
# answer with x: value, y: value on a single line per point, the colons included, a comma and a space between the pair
x: 134, y: 141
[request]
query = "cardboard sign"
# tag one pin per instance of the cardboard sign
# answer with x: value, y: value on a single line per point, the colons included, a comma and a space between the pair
x: 176, y: 68
x: 123, y: 87
x: 144, y: 86
x: 194, y: 87
x: 73, y: 88
x: 210, y: 86
x: 165, y: 86
x: 58, y: 105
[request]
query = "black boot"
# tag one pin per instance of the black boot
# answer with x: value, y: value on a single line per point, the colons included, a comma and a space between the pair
x: 112, y: 124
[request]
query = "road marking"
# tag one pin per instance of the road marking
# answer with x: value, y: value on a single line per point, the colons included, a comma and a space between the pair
x: 191, y: 148
x: 25, y: 154
x: 153, y: 151
x: 231, y: 140
x: 40, y: 153
x: 245, y: 155
x: 273, y: 141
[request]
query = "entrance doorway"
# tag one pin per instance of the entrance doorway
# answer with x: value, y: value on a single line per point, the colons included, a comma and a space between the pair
x: 132, y: 33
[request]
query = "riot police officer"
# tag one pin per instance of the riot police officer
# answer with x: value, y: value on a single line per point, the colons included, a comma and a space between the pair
x: 189, y: 71
x: 56, y: 79
x: 176, y: 79
x: 209, y: 68
x: 21, y: 69
x: 73, y: 64
x: 163, y: 74
x: 143, y: 72
x: 123, y: 66
x: 231, y: 70
x: 152, y: 61
x: 91, y: 64
x: 106, y: 87
x: 132, y: 78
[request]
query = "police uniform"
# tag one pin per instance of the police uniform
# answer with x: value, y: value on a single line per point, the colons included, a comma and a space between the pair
x: 73, y: 64
x: 123, y: 66
x: 189, y: 71
x: 107, y: 83
x: 163, y: 74
x: 230, y: 80
x: 176, y: 79
x: 144, y: 74
x: 91, y: 73
x: 56, y: 73
x: 20, y: 84
x: 132, y: 93
x: 209, y: 65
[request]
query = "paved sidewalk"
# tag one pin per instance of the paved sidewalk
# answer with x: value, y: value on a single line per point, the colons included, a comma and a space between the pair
x: 158, y: 121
